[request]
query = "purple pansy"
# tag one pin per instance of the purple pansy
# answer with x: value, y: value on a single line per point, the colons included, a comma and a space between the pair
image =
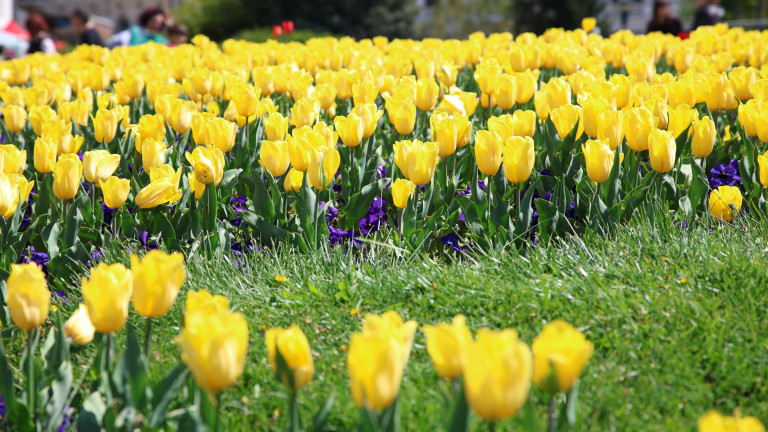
x: 725, y: 174
x: 144, y: 240
x: 452, y: 240
x: 330, y: 212
x: 376, y: 216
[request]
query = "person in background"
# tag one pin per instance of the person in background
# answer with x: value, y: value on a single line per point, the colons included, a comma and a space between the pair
x: 151, y: 24
x: 82, y: 24
x: 663, y: 19
x: 177, y: 33
x: 708, y: 12
x: 40, y: 39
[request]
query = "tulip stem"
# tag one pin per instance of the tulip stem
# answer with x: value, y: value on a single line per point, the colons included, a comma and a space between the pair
x: 31, y: 372
x: 217, y: 422
x: 492, y: 426
x: 148, y: 338
x: 552, y: 414
x: 294, y: 419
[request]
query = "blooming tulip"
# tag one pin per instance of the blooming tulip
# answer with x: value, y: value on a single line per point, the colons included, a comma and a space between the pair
x: 274, y: 157
x: 115, y: 191
x: 638, y: 123
x: 661, y: 150
x: 293, y: 347
x: 560, y: 353
x: 293, y: 180
x: 402, y: 190
x: 566, y: 117
x: 105, y: 125
x: 350, y: 129
x: 725, y: 202
x: 13, y: 160
x: 417, y: 160
x: 275, y: 127
x: 488, y: 152
x: 610, y: 128
x: 15, y: 118
x: 220, y: 134
x: 99, y: 165
x: 304, y: 113
x: 446, y: 345
x: 681, y: 119
x: 246, y: 99
x: 107, y: 294
x: 444, y: 131
x: 208, y: 164
x: 519, y: 157
x: 45, y: 155
x: 404, y: 118
x: 598, y: 157
x: 323, y: 168
x: 704, y: 134
x: 370, y: 116
x: 66, y: 176
x: 762, y: 161
x: 157, y: 279
x: 713, y: 421
x: 28, y: 297
x: 79, y: 328
x: 426, y: 93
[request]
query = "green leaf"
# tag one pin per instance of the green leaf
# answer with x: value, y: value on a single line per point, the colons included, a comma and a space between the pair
x: 360, y: 202
x: 165, y: 392
x: 321, y: 417
x: 459, y: 418
x: 131, y: 372
x: 72, y: 226
x: 262, y: 202
x: 92, y: 414
x: 50, y: 236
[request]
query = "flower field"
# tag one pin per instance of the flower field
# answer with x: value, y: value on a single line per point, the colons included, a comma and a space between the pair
x: 123, y: 168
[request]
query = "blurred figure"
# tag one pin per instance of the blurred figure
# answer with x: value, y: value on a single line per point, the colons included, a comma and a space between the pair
x: 177, y: 33
x: 663, y: 19
x: 152, y: 22
x: 82, y: 24
x: 708, y: 12
x: 40, y: 40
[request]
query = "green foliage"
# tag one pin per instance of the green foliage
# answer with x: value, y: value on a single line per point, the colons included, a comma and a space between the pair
x: 263, y: 34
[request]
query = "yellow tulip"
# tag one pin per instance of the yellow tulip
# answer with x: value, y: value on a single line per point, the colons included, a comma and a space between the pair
x: 444, y: 131
x: 107, y: 294
x: 404, y: 118
x: 66, y: 176
x: 157, y: 279
x: 293, y: 347
x: 526, y: 86
x: 427, y: 92
x: 704, y: 134
x: 370, y: 116
x: 221, y: 134
x: 202, y: 303
x: 463, y: 131
x: 323, y: 168
x: 162, y: 189
x: 715, y: 91
x: 519, y: 157
x: 28, y: 297
x: 182, y: 115
x: 638, y: 123
x: 115, y: 191
x: 275, y: 127
x: 9, y: 196
x: 13, y: 160
x: 713, y: 421
x: 725, y: 202
x: 199, y: 126
x: 214, y: 346
x: 325, y: 95
x: 446, y: 345
x: 39, y: 115
x: 488, y: 152
x: 208, y: 164
x: 560, y: 353
x: 293, y: 180
x: 15, y: 118
x: 661, y: 150
x: 274, y: 157
x: 350, y: 129
x: 99, y: 165
x: 525, y: 123
x: 402, y: 190
x: 417, y: 160
x: 681, y: 119
x: 134, y: 85
x: 153, y: 153
x: 742, y: 78
x: 105, y: 125
x: 246, y: 99
x: 599, y: 159
x: 541, y: 104
x: 497, y: 374
x: 611, y: 128
x: 588, y: 24
x: 149, y: 126
x: 505, y: 92
x: 591, y: 110
x: 558, y: 93
x: 566, y: 117
x: 762, y: 161
x: 304, y: 113
x: 364, y: 93
x: 504, y: 125
x: 79, y: 328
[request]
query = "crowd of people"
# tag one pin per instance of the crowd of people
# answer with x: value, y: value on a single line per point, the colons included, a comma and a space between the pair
x: 154, y: 25
x: 708, y: 12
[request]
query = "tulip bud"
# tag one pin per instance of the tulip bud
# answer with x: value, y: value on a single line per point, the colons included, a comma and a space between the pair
x: 293, y: 180
x: 45, y: 155
x: 405, y: 118
x: 704, y: 134
x: 221, y: 134
x: 208, y: 163
x: 558, y: 93
x: 304, y: 113
x: 599, y: 159
x: 105, y: 125
x: 182, y: 116
x: 519, y: 157
x: 591, y: 110
x: 762, y: 161
x: 505, y: 92
x: 402, y: 190
x: 107, y: 294
x: 246, y: 99
x: 15, y: 118
x: 488, y: 152
x: 566, y: 117
x: 610, y: 128
x: 12, y: 160
x: 638, y: 123
x: 66, y: 176
x: 157, y: 279
x: 725, y: 202
x: 661, y: 150
x: 99, y: 165
x: 350, y: 129
x: 444, y: 131
x: 446, y: 345
x: 293, y: 347
x: 323, y: 168
x: 560, y: 353
x: 276, y: 127
x: 79, y: 328
x: 28, y: 298
x: 115, y: 191
x: 274, y: 157
x: 427, y: 92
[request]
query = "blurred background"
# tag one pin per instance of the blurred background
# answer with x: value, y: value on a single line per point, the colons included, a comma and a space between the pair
x: 254, y: 20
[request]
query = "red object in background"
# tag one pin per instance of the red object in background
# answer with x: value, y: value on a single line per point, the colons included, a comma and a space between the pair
x: 15, y: 29
x: 287, y: 27
x: 277, y: 31
x: 683, y: 35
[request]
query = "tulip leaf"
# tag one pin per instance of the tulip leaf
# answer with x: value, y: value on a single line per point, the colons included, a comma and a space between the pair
x: 72, y: 225
x: 50, y: 235
x: 165, y: 392
x: 459, y: 417
x: 321, y: 417
x: 525, y: 212
x: 131, y: 372
x: 229, y: 180
x: 262, y: 202
x: 6, y: 380
x: 360, y: 202
x: 699, y: 186
x: 92, y: 413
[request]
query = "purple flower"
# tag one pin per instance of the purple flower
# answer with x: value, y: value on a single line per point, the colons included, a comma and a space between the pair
x: 338, y: 236
x: 2, y: 407
x: 381, y: 171
x: 376, y: 216
x: 108, y: 212
x: 452, y: 240
x: 144, y: 240
x: 39, y: 258
x: 725, y: 174
x: 330, y: 212
x: 337, y: 187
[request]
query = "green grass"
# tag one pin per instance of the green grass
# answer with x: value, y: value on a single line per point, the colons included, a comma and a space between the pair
x: 676, y: 315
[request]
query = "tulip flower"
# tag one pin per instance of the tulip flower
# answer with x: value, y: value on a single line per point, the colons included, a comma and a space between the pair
x: 725, y: 202
x: 611, y: 128
x: 446, y: 345
x: 364, y: 93
x: 294, y: 349
x: 504, y: 125
x: 99, y: 165
x: 304, y: 113
x: 39, y: 115
x: 715, y: 91
x: 182, y: 115
x: 12, y: 160
x: 9, y: 196
x: 214, y: 346
x: 524, y: 123
x: 350, y: 129
x: 208, y: 163
x: 162, y: 189
x: 417, y: 160
x: 15, y: 118
x: 704, y: 134
x: 505, y: 91
x: 199, y: 126
x: 741, y: 79
x: 488, y: 152
x: 588, y: 24
x: 274, y: 157
x: 560, y: 353
x: 402, y: 190
x: 66, y: 176
x: 115, y: 191
x: 426, y: 93
x: 713, y: 421
x: 591, y: 110
x: 638, y: 123
x: 370, y: 116
x: 246, y: 99
x: 45, y: 155
x: 681, y: 119
x: 153, y: 153
x: 293, y: 180
x: 598, y: 157
x: 558, y: 93
x: 275, y: 127
x: 404, y: 118
x: 157, y: 279
x: 107, y: 294
x: 323, y: 168
x: 444, y: 131
x: 519, y: 157
x: 28, y: 298
x: 202, y: 303
x: 497, y: 374
x: 105, y: 125
x: 79, y: 328
x: 661, y: 150
x: 762, y: 161
x: 221, y: 134
x: 566, y: 117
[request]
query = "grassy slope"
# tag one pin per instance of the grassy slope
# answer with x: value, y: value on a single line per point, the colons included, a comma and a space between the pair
x: 676, y: 317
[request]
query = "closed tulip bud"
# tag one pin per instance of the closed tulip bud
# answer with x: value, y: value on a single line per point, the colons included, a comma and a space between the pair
x: 276, y: 127
x: 444, y: 131
x: 506, y: 92
x: 182, y: 116
x: 134, y: 85
x: 519, y: 157
x: 762, y: 161
x: 66, y: 176
x: 153, y: 153
x: 246, y: 99
x: 488, y: 152
x: 107, y: 294
x: 45, y: 155
x: 78, y: 328
x: 566, y: 117
x: 463, y: 131
x: 741, y: 78
x: 405, y: 118
x: 715, y: 92
x: 541, y: 104
x: 274, y: 157
x: 208, y: 164
x: 704, y: 134
x: 9, y: 196
x: 661, y: 150
x: 713, y: 421
x: 157, y: 279
x: 610, y: 127
x: 558, y: 93
x: 15, y: 118
x: 497, y: 374
x: 323, y: 168
x: 446, y: 345
x: 599, y: 159
x: 99, y: 165
x: 304, y: 113
x: 638, y: 123
x: 350, y: 129
x: 417, y: 160
x: 39, y: 115
x: 725, y: 202
x: 560, y: 353
x: 370, y: 116
x: 427, y: 91
x: 199, y: 124
x: 526, y: 86
x: 115, y: 191
x: 591, y: 110
x: 105, y: 125
x: 293, y: 180
x: 293, y: 347
x: 681, y: 119
x: 214, y: 347
x: 402, y: 190
x: 28, y: 298
x: 221, y: 134
x: 12, y: 160
x: 525, y: 123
